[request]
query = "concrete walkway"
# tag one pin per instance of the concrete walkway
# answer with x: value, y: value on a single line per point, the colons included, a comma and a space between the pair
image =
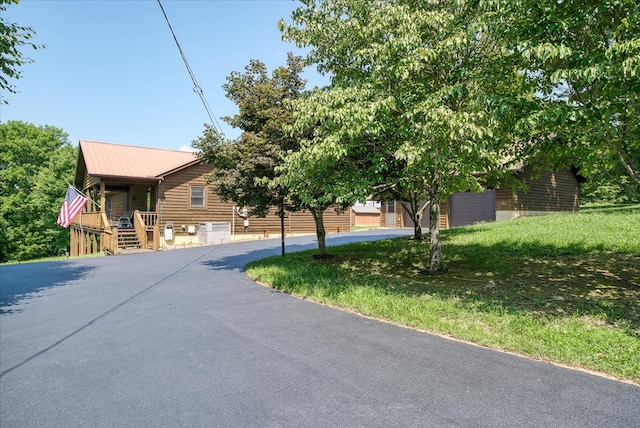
x: 183, y: 339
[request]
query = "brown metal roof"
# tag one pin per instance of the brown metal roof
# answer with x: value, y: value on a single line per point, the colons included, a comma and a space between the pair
x: 119, y: 160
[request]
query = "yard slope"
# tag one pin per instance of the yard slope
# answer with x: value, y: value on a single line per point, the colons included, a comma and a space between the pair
x: 563, y: 288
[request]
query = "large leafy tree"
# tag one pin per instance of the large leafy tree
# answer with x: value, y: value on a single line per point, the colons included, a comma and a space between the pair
x: 244, y: 169
x: 36, y: 164
x: 13, y: 38
x: 584, y: 57
x: 328, y: 170
x: 415, y: 80
x: 611, y: 186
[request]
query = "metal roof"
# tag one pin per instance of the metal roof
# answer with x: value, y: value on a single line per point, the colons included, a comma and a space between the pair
x: 365, y: 210
x: 124, y: 161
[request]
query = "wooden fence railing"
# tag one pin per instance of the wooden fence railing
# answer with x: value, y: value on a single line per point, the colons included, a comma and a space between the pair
x: 149, y: 218
x: 91, y: 232
x: 146, y: 225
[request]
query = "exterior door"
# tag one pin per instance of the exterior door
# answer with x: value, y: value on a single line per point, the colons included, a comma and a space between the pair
x: 390, y: 215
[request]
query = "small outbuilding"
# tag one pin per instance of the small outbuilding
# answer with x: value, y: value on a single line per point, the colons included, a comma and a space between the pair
x: 544, y: 192
x: 365, y: 216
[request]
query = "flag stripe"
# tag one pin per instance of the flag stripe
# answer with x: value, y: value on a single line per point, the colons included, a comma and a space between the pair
x: 73, y: 203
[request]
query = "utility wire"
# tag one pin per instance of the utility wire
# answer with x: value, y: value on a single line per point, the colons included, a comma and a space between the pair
x: 196, y: 88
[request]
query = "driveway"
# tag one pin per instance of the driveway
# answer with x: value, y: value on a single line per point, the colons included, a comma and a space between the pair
x: 184, y: 339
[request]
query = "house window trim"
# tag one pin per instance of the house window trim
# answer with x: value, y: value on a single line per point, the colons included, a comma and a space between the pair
x: 204, y: 197
x: 391, y: 207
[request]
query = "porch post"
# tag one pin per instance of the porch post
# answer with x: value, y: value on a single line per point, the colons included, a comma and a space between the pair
x: 73, y: 246
x: 103, y: 199
x: 83, y: 239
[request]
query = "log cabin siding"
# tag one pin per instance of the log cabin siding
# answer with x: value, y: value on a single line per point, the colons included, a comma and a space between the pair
x: 119, y: 205
x: 383, y: 218
x: 137, y: 198
x: 174, y: 199
x: 444, y: 215
x: 548, y: 191
x: 124, y: 202
x: 174, y: 205
x: 504, y: 199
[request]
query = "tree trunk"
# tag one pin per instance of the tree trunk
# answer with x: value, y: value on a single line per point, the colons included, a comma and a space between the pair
x: 320, y: 232
x: 627, y: 163
x: 415, y: 213
x: 436, y: 263
x: 417, y: 228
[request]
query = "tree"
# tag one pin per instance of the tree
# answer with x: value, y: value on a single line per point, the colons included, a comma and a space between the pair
x: 411, y: 191
x: 422, y: 80
x: 12, y: 38
x: 243, y: 170
x: 325, y: 171
x: 608, y: 186
x: 36, y: 164
x: 584, y: 57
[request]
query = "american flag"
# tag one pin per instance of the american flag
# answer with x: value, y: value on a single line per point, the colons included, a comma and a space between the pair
x: 72, y: 205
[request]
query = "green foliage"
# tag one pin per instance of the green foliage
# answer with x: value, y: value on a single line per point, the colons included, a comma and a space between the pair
x: 243, y: 170
x: 327, y: 171
x: 561, y: 287
x: 36, y: 164
x: 584, y: 57
x: 608, y: 188
x: 414, y: 89
x: 12, y: 38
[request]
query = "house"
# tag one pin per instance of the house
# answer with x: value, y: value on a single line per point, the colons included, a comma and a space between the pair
x: 547, y: 192
x: 157, y: 198
x: 366, y: 215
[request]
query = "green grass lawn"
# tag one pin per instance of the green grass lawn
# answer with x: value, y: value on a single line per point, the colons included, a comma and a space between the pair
x: 52, y: 259
x: 562, y: 288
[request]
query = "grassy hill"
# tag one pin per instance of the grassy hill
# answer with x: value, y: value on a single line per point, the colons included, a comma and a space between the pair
x: 562, y: 288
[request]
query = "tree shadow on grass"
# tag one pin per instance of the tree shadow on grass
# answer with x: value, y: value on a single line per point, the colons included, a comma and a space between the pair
x: 22, y: 282
x: 553, y: 282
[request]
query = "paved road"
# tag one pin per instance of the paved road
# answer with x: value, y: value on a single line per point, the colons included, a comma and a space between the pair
x: 183, y: 339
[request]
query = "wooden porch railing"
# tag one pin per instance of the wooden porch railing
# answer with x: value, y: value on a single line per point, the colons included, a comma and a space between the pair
x: 91, y: 232
x: 150, y: 218
x: 146, y: 225
x: 140, y: 227
x: 95, y: 220
x: 109, y: 236
x: 110, y: 241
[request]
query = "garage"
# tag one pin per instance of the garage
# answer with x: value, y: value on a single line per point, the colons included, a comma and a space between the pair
x: 470, y: 207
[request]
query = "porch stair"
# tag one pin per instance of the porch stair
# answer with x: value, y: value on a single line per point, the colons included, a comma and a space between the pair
x: 128, y: 239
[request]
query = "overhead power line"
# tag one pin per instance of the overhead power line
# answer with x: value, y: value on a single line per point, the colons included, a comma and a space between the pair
x: 196, y: 87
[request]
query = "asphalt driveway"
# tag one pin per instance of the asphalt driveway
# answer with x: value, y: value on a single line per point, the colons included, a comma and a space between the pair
x: 184, y: 339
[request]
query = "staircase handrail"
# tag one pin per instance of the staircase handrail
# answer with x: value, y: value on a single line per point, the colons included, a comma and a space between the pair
x: 140, y: 228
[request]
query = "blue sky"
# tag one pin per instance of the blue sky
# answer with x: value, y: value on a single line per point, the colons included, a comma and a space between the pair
x: 111, y: 71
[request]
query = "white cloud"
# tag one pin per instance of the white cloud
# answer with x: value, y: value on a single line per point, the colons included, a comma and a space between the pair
x: 186, y: 148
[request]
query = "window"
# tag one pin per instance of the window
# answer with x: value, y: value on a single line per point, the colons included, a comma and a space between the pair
x: 391, y: 207
x: 197, y: 197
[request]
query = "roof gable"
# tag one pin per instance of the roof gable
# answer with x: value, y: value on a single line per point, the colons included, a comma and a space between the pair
x: 124, y: 161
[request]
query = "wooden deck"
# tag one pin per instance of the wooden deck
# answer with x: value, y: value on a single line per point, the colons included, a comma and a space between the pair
x: 93, y: 233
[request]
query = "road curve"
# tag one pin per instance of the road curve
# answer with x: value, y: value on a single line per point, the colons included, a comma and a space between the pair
x: 184, y: 339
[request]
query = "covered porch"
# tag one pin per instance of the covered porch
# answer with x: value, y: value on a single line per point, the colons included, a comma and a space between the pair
x: 120, y: 217
x: 123, y: 182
